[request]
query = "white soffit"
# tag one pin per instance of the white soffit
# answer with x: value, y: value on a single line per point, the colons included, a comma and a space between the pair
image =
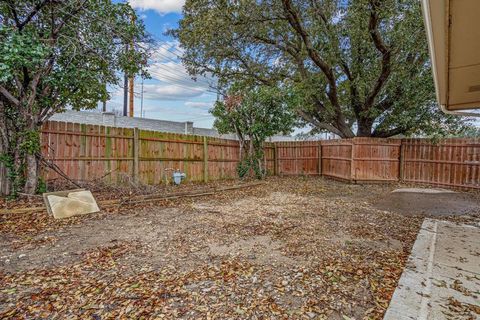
x: 453, y: 29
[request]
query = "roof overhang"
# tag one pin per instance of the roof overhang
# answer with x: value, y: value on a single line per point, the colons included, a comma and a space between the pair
x: 453, y: 30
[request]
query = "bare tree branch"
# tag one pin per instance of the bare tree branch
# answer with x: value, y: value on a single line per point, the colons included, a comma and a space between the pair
x: 33, y: 13
x: 383, y: 49
x: 9, y: 96
x: 321, y: 125
x: 389, y: 133
x: 295, y: 21
x: 11, y: 5
x: 70, y: 15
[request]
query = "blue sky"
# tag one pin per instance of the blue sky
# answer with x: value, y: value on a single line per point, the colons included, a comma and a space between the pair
x: 170, y: 94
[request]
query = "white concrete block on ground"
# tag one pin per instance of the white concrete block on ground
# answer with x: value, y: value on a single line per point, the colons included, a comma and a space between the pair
x: 442, y: 275
x: 64, y: 205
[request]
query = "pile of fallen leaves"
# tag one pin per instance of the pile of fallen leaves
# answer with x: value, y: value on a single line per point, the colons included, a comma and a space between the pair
x: 99, y: 288
x: 295, y: 248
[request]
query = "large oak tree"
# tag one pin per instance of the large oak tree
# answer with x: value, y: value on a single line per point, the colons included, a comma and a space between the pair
x: 53, y: 55
x: 359, y: 67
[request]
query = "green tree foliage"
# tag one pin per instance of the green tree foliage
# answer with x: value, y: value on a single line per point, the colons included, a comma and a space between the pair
x: 53, y: 55
x: 253, y: 114
x: 472, y: 132
x: 359, y: 67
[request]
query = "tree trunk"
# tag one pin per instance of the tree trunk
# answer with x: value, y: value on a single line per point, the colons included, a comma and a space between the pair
x: 31, y: 161
x: 364, y: 128
x: 241, y: 150
x: 31, y: 181
x: 260, y: 167
x: 5, y: 183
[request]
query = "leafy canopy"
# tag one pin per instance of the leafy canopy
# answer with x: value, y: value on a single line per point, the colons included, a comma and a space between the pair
x: 358, y: 67
x: 253, y: 114
x: 63, y: 53
x: 58, y: 54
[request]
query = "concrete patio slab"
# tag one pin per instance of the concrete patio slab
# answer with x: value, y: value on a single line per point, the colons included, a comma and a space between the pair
x: 442, y: 276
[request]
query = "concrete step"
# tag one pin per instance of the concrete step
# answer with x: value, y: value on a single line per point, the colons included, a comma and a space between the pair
x: 442, y: 276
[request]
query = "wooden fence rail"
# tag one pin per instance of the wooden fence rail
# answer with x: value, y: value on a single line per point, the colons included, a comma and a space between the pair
x: 92, y: 153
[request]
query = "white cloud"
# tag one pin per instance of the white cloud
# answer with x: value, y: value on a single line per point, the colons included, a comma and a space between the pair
x: 199, y: 105
x: 166, y: 66
x: 167, y: 51
x: 169, y: 71
x: 116, y: 92
x: 161, y: 6
x: 169, y: 92
x: 172, y: 72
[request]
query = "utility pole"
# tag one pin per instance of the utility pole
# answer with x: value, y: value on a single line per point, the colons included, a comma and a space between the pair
x: 131, y: 87
x: 104, y: 102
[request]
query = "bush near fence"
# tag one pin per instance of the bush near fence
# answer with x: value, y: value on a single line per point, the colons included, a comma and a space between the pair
x: 91, y: 152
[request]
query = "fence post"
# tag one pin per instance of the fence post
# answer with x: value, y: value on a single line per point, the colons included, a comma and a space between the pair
x: 319, y: 158
x: 401, y: 161
x: 264, y: 158
x: 295, y: 147
x: 136, y: 151
x: 275, y: 160
x: 205, y: 159
x: 352, y: 161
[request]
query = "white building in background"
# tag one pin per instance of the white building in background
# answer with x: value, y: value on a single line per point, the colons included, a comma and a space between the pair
x: 112, y: 119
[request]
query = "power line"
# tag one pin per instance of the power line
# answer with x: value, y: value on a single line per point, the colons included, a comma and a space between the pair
x: 208, y: 92
x: 159, y: 65
x: 191, y: 85
x: 168, y: 46
x: 162, y: 66
x: 160, y: 76
x: 173, y: 56
x: 178, y: 74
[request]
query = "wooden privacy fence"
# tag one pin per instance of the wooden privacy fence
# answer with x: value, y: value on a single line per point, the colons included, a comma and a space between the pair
x: 358, y: 159
x: 453, y: 163
x: 94, y: 153
x: 449, y: 163
x: 297, y: 158
x: 90, y: 152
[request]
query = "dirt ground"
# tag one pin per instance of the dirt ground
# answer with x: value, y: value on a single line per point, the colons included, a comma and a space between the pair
x: 292, y: 248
